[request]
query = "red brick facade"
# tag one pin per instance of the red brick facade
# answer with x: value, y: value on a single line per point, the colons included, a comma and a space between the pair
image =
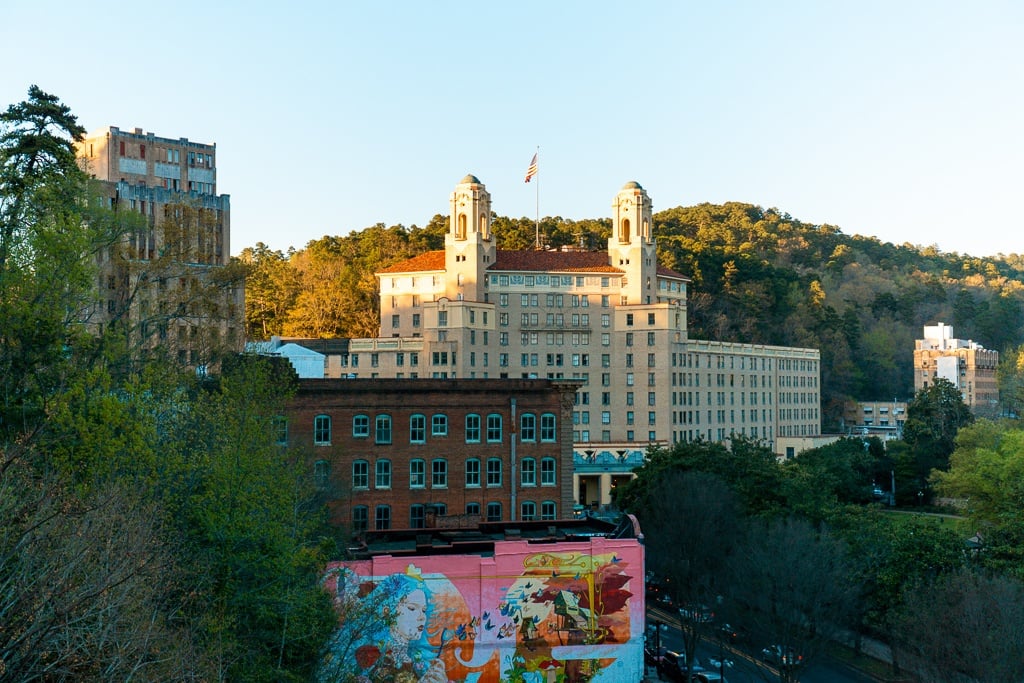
x: 405, y: 453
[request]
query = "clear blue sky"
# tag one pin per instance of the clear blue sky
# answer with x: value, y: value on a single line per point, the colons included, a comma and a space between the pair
x: 900, y: 120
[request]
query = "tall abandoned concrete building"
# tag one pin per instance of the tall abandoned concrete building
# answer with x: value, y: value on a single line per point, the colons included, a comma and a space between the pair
x: 167, y: 282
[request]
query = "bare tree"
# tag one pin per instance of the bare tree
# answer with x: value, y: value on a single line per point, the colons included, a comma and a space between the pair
x: 964, y: 627
x: 793, y: 587
x: 690, y: 522
x: 83, y: 584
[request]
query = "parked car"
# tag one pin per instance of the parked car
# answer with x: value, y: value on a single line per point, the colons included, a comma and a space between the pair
x: 708, y: 677
x: 732, y: 634
x: 781, y: 656
x: 673, y: 665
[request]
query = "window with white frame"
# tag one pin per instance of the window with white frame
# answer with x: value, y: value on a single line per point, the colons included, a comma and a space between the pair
x: 439, y: 424
x: 322, y: 430
x: 548, y: 510
x: 547, y: 472
x: 382, y: 517
x: 417, y: 429
x: 383, y: 434
x: 417, y: 517
x: 494, y: 512
x: 527, y: 427
x: 360, y: 518
x: 281, y: 429
x: 472, y: 428
x: 439, y: 473
x: 528, y: 511
x: 528, y: 472
x: 472, y: 473
x: 382, y: 474
x: 547, y: 427
x: 321, y: 473
x: 417, y: 473
x: 360, y: 474
x: 494, y: 472
x: 494, y: 428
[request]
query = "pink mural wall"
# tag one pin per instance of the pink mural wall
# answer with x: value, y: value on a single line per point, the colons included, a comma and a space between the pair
x: 532, y: 613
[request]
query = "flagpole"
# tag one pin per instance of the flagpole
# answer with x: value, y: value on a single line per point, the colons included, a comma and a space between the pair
x: 537, y: 190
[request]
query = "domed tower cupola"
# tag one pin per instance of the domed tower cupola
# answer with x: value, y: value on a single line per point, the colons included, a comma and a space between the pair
x: 469, y: 247
x: 631, y: 247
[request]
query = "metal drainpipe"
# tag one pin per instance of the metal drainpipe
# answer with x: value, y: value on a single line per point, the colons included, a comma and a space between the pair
x: 512, y: 448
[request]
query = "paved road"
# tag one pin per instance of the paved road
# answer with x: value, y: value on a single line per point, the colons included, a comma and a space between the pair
x: 745, y: 669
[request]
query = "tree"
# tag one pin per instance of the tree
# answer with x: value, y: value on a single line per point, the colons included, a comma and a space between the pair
x: 253, y: 541
x: 965, y: 626
x: 49, y: 235
x: 934, y: 416
x: 271, y: 286
x: 84, y: 583
x: 792, y: 584
x: 691, y: 523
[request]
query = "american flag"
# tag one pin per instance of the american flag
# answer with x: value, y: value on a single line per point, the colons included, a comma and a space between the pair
x: 532, y: 169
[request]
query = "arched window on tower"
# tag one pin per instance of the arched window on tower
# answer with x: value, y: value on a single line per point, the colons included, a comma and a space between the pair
x: 460, y: 227
x: 624, y: 231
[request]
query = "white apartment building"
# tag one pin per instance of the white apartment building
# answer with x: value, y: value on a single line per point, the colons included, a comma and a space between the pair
x: 614, y: 319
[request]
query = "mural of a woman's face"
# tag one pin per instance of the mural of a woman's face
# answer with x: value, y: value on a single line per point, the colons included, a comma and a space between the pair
x: 412, y: 615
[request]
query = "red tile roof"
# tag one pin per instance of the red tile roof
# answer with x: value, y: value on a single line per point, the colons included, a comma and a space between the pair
x: 428, y: 260
x: 526, y: 261
x: 554, y: 261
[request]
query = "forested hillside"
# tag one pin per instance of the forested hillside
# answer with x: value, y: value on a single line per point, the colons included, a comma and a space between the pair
x: 759, y: 275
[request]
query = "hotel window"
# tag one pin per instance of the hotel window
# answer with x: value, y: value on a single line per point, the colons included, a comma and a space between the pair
x: 382, y: 518
x: 417, y: 429
x: 629, y: 319
x: 547, y: 510
x: 472, y: 473
x: 417, y: 474
x: 442, y: 318
x: 472, y: 508
x: 415, y: 319
x: 547, y: 427
x: 383, y: 434
x: 322, y: 430
x: 439, y: 425
x: 439, y: 473
x: 472, y: 428
x: 494, y: 472
x: 360, y: 518
x: 360, y: 474
x: 547, y: 472
x: 382, y: 478
x: 395, y: 319
x: 528, y: 472
x: 529, y: 511
x: 528, y: 427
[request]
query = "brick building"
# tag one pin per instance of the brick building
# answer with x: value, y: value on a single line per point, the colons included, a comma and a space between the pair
x: 404, y: 453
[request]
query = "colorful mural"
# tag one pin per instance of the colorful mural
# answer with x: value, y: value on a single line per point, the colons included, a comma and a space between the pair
x: 531, y: 613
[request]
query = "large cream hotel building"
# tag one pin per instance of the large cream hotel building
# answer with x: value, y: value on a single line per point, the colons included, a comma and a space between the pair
x: 613, y: 319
